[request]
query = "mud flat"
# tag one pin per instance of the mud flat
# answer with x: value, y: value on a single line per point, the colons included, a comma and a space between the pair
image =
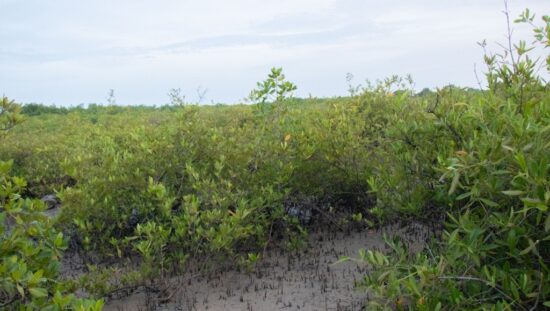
x: 307, y: 280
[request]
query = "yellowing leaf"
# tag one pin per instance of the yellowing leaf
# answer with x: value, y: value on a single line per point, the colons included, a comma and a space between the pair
x: 461, y: 153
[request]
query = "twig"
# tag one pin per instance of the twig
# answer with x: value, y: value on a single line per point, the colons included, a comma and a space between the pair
x: 268, y: 240
x: 534, y: 307
x: 509, y: 34
x: 130, y: 287
x: 329, y: 217
x: 477, y: 77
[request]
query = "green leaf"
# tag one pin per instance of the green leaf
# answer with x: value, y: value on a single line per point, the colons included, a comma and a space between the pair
x: 529, y: 248
x: 36, y: 277
x: 520, y: 158
x: 21, y: 290
x: 488, y: 202
x: 59, y: 240
x: 38, y: 292
x: 513, y: 192
x: 454, y: 183
x: 463, y: 196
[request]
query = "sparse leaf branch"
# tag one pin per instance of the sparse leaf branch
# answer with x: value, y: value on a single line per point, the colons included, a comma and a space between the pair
x: 9, y: 114
x: 509, y: 34
x: 176, y: 97
x: 272, y: 90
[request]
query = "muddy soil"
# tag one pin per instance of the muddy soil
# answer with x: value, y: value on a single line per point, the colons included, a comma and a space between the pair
x: 307, y: 280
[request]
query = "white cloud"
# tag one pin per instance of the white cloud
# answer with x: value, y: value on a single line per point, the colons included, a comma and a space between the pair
x: 68, y: 52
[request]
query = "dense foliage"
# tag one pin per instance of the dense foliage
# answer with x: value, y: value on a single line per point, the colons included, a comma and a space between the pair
x: 30, y: 248
x: 487, y: 167
x: 163, y: 187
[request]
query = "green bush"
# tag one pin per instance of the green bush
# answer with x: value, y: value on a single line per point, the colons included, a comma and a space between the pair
x: 489, y: 171
x: 163, y: 186
x: 30, y: 248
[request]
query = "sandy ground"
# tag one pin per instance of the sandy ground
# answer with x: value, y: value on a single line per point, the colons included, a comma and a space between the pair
x: 308, y: 280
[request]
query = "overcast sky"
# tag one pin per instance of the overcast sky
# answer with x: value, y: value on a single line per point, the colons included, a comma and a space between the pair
x: 68, y: 52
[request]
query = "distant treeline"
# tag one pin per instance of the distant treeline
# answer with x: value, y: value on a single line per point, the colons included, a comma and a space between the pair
x: 34, y: 109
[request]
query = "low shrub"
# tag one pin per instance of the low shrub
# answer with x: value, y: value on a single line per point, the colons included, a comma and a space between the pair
x: 489, y: 172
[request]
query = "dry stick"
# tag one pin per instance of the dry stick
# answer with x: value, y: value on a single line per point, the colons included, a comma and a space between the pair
x: 477, y: 77
x: 509, y: 34
x: 540, y: 288
x: 328, y: 217
x: 151, y: 288
x: 130, y: 287
x: 167, y: 298
x: 511, y: 51
x: 268, y: 240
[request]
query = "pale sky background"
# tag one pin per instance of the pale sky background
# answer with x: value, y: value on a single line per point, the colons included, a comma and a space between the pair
x: 68, y: 52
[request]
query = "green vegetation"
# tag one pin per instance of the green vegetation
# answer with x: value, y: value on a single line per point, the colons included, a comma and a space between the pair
x: 489, y: 176
x: 9, y: 114
x: 30, y: 248
x: 168, y: 186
